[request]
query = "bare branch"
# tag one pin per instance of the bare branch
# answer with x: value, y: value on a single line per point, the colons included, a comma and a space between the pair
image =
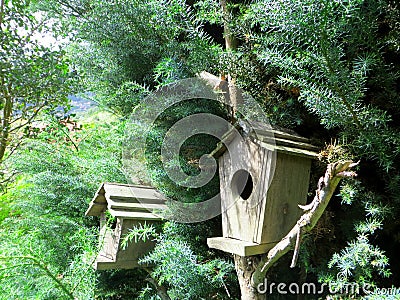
x: 14, y: 148
x: 296, y: 250
x: 25, y: 41
x: 9, y: 178
x: 70, y: 138
x: 33, y: 116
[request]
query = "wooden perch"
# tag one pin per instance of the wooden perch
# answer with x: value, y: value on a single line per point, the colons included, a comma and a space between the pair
x: 312, y: 213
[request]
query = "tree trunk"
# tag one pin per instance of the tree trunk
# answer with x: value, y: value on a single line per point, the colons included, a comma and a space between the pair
x: 235, y: 100
x: 1, y: 12
x: 5, y: 126
x: 230, y: 39
x: 245, y: 267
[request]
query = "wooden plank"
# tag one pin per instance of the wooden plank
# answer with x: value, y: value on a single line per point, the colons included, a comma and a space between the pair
x: 135, y: 215
x: 281, y: 135
x: 238, y: 247
x: 106, y: 263
x: 289, y: 143
x: 128, y: 185
x: 287, y: 136
x: 289, y: 150
x: 135, y: 206
x: 269, y: 131
x: 128, y: 192
x: 95, y: 209
x: 127, y: 199
x: 298, y: 152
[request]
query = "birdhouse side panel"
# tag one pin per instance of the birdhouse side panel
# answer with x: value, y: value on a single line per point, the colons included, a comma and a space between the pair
x: 107, y: 239
x: 266, y: 174
x: 288, y: 189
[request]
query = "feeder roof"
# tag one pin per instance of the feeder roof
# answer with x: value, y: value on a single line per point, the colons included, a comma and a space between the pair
x: 127, y: 201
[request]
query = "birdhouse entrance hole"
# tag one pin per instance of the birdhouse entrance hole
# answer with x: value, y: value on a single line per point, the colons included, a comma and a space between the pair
x: 242, y: 184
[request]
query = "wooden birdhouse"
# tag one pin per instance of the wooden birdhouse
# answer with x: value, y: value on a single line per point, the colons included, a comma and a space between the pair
x: 263, y: 178
x: 120, y: 208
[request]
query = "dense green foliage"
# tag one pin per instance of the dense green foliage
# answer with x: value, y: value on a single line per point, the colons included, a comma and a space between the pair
x: 34, y: 79
x: 47, y: 243
x: 347, y: 82
x: 132, y: 46
x: 343, y: 63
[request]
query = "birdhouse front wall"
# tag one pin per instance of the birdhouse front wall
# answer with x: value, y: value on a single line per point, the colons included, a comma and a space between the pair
x: 246, y: 162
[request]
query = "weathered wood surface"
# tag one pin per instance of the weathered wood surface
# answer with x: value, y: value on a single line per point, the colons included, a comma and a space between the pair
x: 128, y: 201
x: 288, y: 189
x: 272, y: 208
x: 240, y: 217
x: 112, y: 255
x: 238, y: 247
x: 131, y: 205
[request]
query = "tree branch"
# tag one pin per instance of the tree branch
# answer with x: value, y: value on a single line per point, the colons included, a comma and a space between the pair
x: 1, y: 12
x: 231, y: 44
x: 13, y: 149
x: 30, y: 119
x: 70, y: 138
x: 44, y: 268
x: 25, y: 41
x: 312, y: 213
x: 9, y: 178
x: 161, y: 290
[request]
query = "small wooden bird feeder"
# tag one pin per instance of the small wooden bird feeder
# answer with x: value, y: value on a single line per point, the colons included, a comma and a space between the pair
x: 120, y: 208
x: 259, y: 204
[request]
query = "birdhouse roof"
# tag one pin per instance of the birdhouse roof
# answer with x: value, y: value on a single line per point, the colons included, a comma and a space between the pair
x: 127, y: 201
x: 282, y: 140
x: 271, y: 138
